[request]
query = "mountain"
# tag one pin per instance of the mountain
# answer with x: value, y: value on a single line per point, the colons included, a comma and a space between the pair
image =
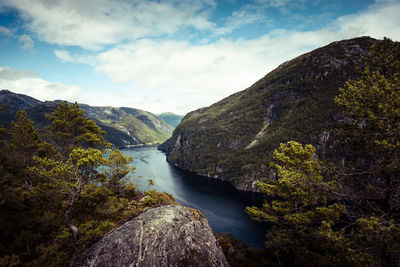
x: 12, y: 102
x: 123, y: 126
x: 144, y: 127
x: 233, y: 139
x: 171, y: 118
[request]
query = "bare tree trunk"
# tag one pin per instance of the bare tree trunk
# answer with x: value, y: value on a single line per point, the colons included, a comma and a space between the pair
x: 72, y: 228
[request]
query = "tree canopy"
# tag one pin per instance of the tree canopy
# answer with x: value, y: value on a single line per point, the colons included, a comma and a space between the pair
x: 343, y: 211
x: 63, y: 190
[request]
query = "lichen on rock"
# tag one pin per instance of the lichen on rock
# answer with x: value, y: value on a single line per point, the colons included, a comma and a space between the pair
x: 170, y: 235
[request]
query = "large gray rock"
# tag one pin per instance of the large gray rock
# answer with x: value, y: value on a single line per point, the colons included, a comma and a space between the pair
x: 170, y: 235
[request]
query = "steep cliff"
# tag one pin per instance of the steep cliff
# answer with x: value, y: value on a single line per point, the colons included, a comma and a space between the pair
x: 233, y: 139
x: 165, y: 236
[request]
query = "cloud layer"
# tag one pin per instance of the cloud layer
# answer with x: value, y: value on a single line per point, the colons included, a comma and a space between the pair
x: 29, y: 83
x: 212, y: 71
x: 154, y: 46
x: 93, y: 24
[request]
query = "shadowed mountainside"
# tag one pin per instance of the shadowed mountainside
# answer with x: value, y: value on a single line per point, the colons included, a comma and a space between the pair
x: 233, y: 139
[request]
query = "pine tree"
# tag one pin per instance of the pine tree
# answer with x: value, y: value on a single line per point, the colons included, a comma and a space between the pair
x: 70, y: 178
x: 80, y: 172
x: 372, y: 135
x: 298, y: 202
x: 118, y: 168
x: 25, y: 143
x: 372, y: 103
x: 70, y: 129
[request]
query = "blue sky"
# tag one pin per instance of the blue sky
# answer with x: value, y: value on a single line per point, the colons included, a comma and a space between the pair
x: 172, y: 55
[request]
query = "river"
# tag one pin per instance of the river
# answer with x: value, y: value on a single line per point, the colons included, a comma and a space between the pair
x: 222, y: 204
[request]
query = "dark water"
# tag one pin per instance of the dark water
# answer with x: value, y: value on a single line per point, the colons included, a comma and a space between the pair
x: 222, y: 205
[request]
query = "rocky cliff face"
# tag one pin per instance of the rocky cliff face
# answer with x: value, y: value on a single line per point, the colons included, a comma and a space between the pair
x: 233, y: 139
x: 165, y: 236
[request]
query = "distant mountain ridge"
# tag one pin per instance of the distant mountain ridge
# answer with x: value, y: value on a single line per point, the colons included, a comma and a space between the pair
x: 233, y: 139
x: 123, y: 126
x: 171, y: 118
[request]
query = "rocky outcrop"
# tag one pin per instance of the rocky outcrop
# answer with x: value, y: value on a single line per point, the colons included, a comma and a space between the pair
x: 170, y: 235
x: 233, y: 139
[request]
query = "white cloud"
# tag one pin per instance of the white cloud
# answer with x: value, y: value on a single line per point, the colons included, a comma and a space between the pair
x: 64, y: 55
x: 25, y: 82
x: 207, y: 73
x: 7, y: 73
x: 138, y: 99
x: 5, y: 31
x: 93, y: 24
x: 379, y: 20
x: 279, y: 3
x: 196, y: 76
x: 26, y: 42
x: 246, y: 15
x: 170, y: 75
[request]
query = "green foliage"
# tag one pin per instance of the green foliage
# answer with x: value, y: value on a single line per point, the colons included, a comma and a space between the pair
x: 372, y: 133
x: 352, y: 218
x: 298, y: 203
x: 372, y: 104
x: 23, y: 134
x: 118, y: 170
x: 293, y: 102
x: 153, y: 198
x: 143, y: 131
x: 59, y: 197
x: 238, y: 253
x: 69, y: 129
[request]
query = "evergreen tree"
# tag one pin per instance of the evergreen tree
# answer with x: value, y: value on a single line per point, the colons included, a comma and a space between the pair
x: 25, y: 143
x: 118, y: 167
x: 298, y: 203
x: 70, y: 178
x: 58, y: 198
x: 372, y: 137
x: 372, y: 103
x: 70, y: 129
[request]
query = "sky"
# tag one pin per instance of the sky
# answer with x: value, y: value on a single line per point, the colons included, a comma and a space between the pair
x: 169, y: 55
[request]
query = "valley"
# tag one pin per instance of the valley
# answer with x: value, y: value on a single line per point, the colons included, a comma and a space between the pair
x: 301, y: 168
x: 123, y: 126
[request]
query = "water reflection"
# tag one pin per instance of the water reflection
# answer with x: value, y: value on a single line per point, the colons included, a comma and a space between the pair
x: 222, y: 205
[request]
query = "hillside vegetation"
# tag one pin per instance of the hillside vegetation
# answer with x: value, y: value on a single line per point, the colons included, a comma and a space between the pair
x: 62, y: 190
x: 233, y: 139
x: 123, y: 126
x: 324, y: 211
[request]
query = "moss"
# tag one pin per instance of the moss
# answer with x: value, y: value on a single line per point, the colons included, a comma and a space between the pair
x: 197, y: 214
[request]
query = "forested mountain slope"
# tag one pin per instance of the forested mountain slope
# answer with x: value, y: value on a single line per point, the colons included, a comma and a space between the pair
x: 233, y: 139
x: 123, y: 126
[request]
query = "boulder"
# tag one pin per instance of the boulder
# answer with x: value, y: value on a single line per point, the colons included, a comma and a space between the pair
x: 170, y: 235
